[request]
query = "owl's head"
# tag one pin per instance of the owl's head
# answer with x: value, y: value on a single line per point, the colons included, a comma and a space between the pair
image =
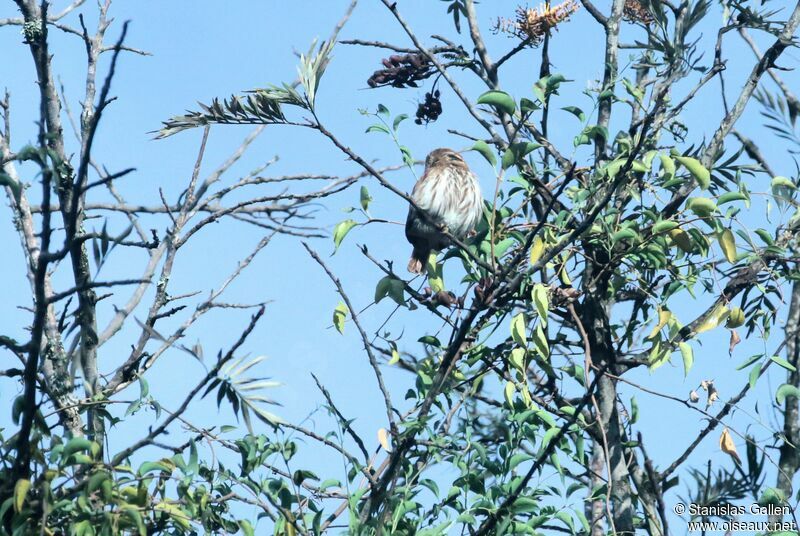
x: 444, y: 157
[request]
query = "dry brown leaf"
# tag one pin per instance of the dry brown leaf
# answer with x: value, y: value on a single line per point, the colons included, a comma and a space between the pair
x: 727, y: 445
x: 735, y: 339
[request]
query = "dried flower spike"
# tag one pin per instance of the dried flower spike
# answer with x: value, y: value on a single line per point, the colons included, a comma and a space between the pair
x: 533, y: 24
x: 634, y: 11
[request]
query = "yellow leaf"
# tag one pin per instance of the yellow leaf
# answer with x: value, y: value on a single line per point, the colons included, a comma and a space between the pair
x: 727, y: 445
x: 175, y: 513
x: 713, y: 319
x: 508, y: 392
x: 395, y: 357
x: 339, y: 316
x: 681, y: 239
x: 537, y: 248
x: 383, y: 439
x: 663, y: 317
x: 728, y: 245
x: 564, y: 276
x: 21, y: 489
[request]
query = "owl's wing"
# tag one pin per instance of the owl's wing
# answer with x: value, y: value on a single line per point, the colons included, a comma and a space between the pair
x: 417, y: 225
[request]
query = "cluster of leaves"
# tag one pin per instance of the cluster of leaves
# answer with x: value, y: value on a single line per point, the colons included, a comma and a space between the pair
x: 76, y: 492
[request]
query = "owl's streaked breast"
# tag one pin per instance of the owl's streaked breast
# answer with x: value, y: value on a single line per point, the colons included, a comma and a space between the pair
x: 445, y: 195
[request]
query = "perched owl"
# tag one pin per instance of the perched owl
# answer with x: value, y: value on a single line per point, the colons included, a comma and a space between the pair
x: 450, y: 196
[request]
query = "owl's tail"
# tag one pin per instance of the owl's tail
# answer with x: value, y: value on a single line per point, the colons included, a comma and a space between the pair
x: 419, y: 257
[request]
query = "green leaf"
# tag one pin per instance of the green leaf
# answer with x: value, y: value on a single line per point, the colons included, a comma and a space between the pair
x: 365, y: 198
x: 508, y: 393
x: 702, y: 206
x: 133, y: 514
x: 591, y: 133
x: 517, y: 359
x: 377, y: 127
x: 524, y: 505
x: 727, y: 244
x: 749, y: 361
x: 785, y: 390
x: 392, y: 287
x: 664, y: 226
x: 729, y: 197
x: 340, y: 231
x: 755, y: 372
x: 500, y: 100
x: 160, y: 466
x: 765, y: 236
x: 76, y: 444
x: 577, y: 112
x: 624, y: 234
x: 776, y: 497
x: 783, y: 182
x: 516, y: 152
x: 11, y: 184
x: 783, y: 363
x: 547, y: 437
x: 688, y: 357
x: 548, y: 85
x: 434, y: 271
x: 634, y: 410
x: 247, y: 528
x: 635, y: 92
x: 517, y: 459
x: 659, y: 355
x: 397, y: 120
x: 175, y: 513
x: 483, y: 148
x: 540, y: 341
x: 339, y: 316
x: 696, y: 169
x: 541, y: 301
x: 668, y: 166
x: 329, y: 483
x: 527, y: 106
x: 518, y: 328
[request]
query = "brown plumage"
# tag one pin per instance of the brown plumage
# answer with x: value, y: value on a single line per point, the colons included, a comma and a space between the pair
x: 450, y: 196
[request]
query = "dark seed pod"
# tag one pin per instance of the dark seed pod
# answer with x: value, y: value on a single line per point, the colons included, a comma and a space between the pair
x: 430, y: 109
x: 402, y: 71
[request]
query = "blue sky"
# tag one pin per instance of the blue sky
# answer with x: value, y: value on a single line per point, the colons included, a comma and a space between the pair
x: 203, y: 49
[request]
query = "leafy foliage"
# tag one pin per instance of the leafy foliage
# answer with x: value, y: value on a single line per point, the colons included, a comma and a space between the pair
x: 513, y: 419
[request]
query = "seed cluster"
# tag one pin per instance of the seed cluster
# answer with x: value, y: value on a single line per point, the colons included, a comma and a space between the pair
x: 402, y: 71
x: 430, y: 110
